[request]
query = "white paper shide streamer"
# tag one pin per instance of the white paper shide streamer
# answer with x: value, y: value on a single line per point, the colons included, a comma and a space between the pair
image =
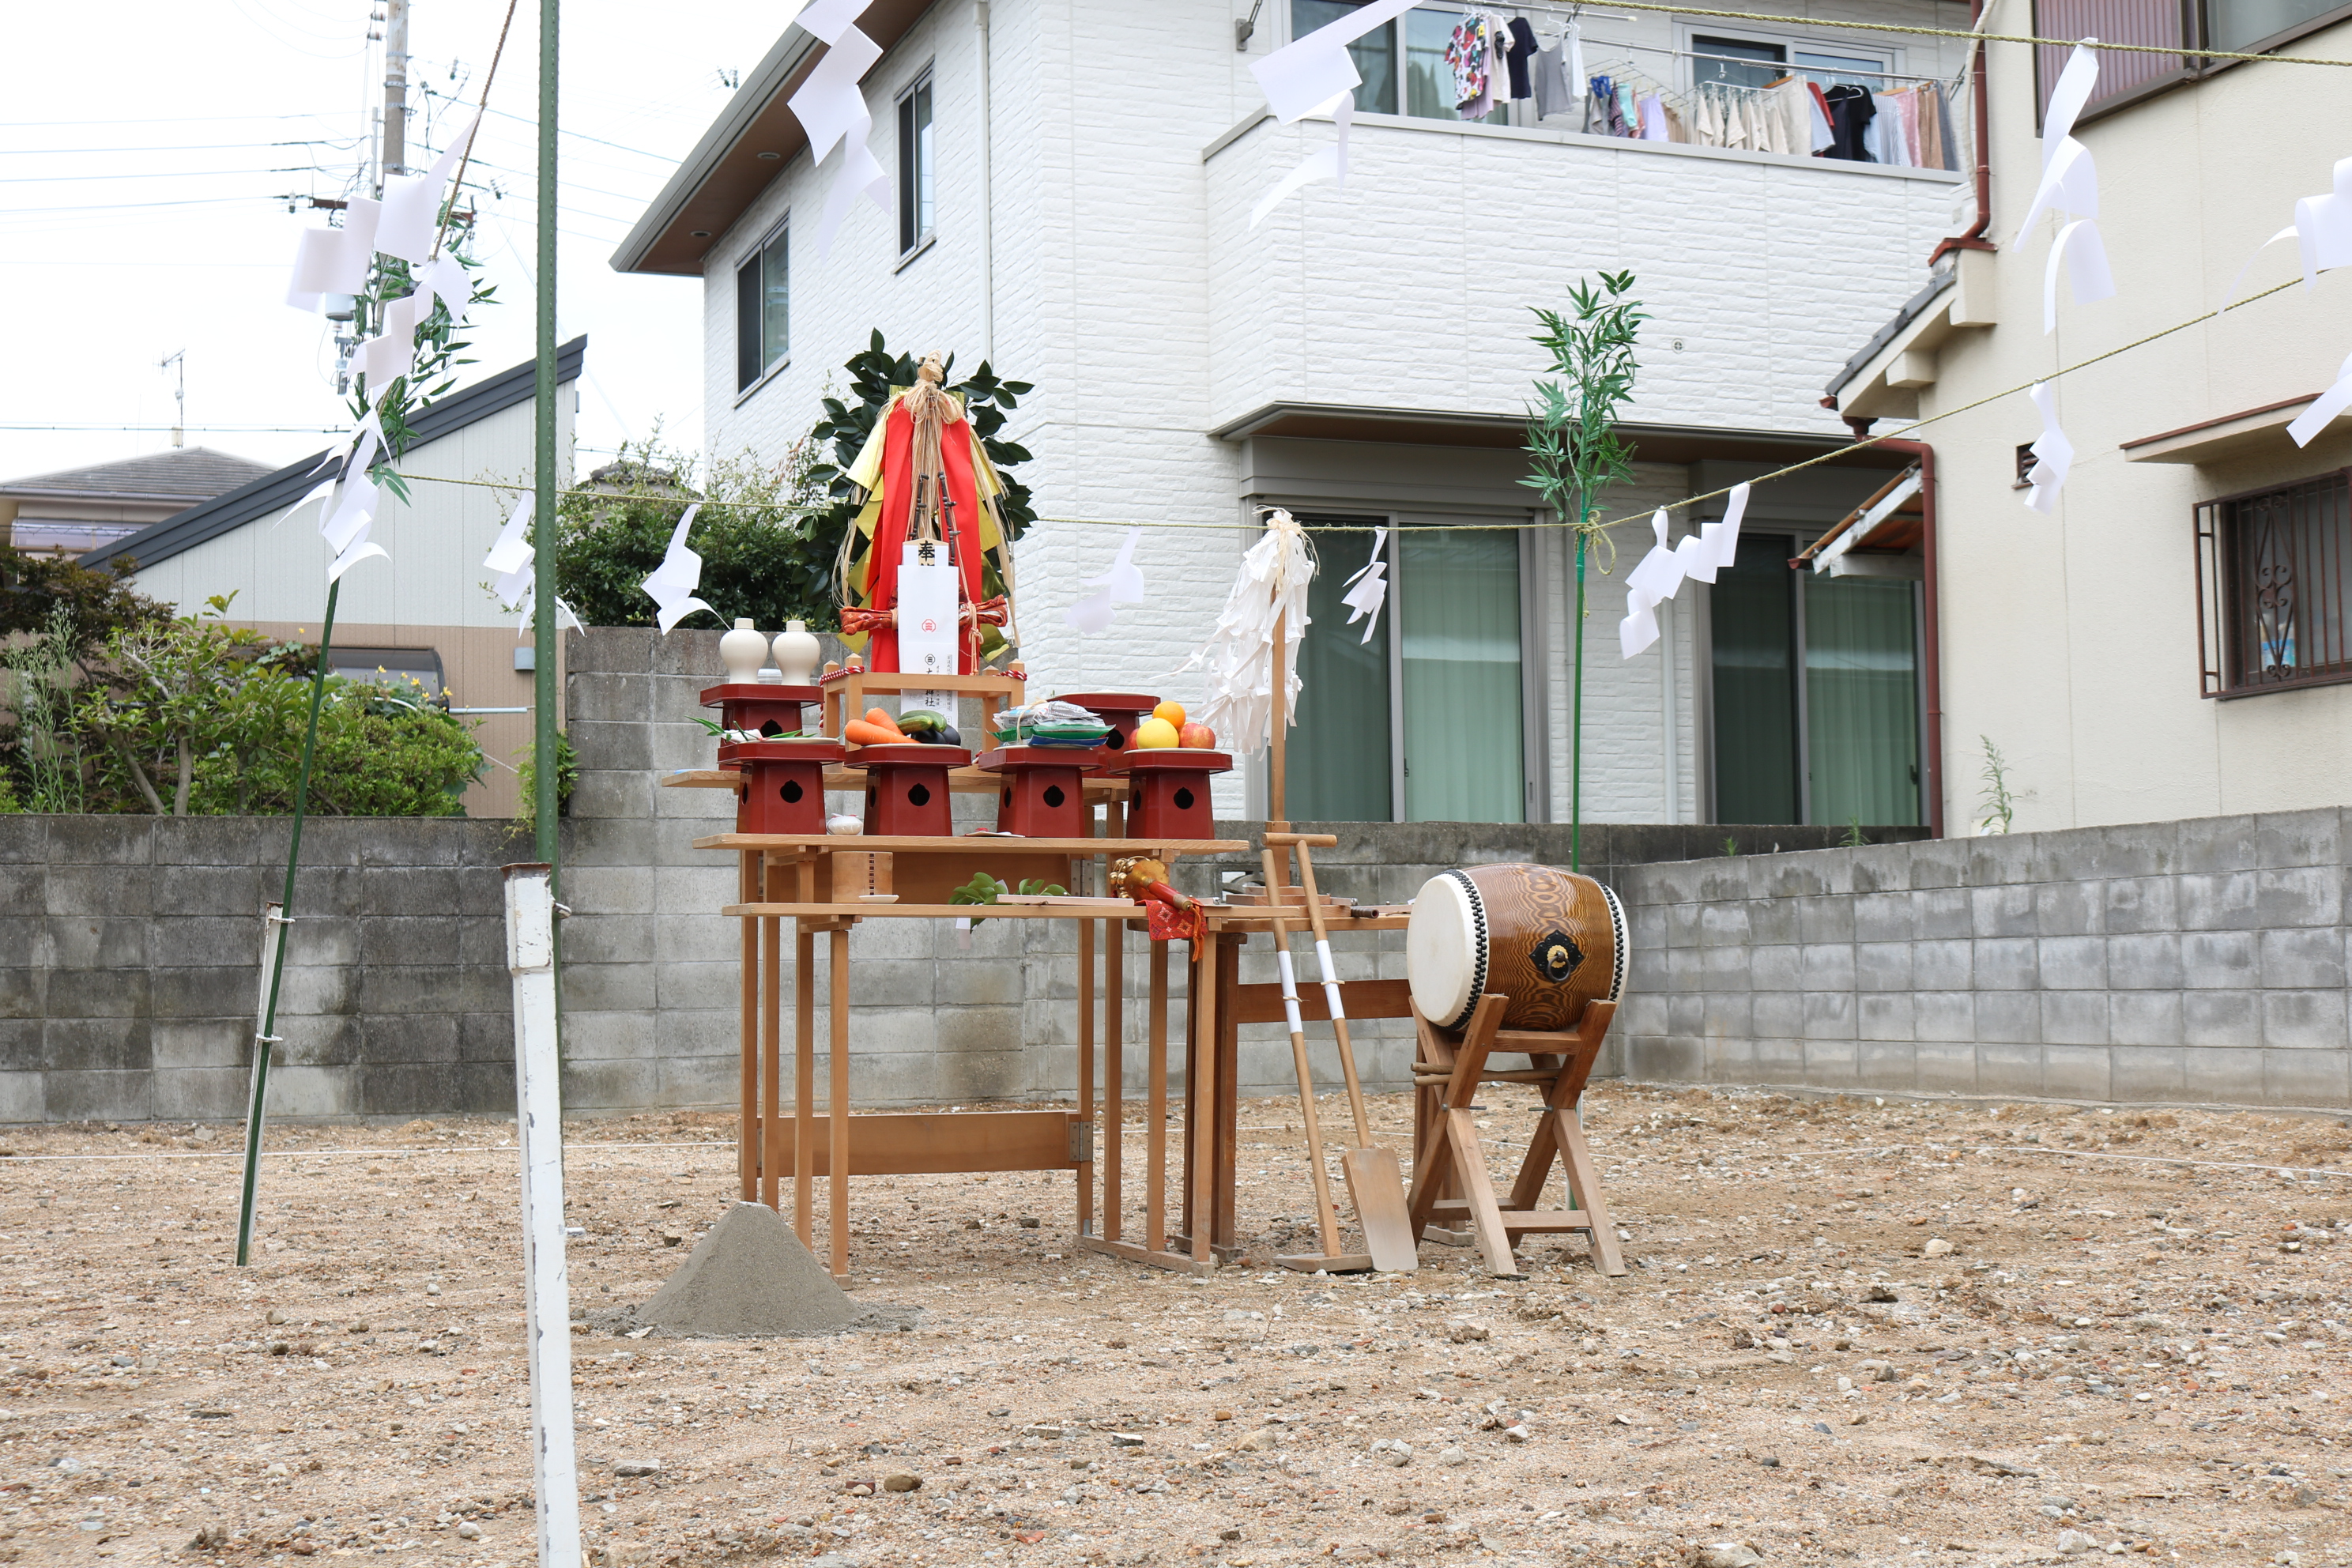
x: 2054, y: 454
x: 1368, y: 590
x: 2324, y: 408
x: 347, y: 501
x: 831, y: 106
x: 2070, y: 184
x: 1662, y: 571
x: 672, y: 583
x: 1122, y: 584
x: 512, y: 558
x: 1239, y: 653
x: 1315, y: 75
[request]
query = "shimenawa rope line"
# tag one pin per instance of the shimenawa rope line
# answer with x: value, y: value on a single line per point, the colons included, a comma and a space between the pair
x: 1902, y: 435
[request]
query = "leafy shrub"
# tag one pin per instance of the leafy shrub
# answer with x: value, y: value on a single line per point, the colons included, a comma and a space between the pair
x: 196, y: 717
x: 760, y: 557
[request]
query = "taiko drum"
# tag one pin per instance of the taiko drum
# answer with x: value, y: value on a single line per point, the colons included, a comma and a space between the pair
x: 1549, y: 940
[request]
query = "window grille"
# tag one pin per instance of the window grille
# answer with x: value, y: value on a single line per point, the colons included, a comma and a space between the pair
x: 2273, y: 568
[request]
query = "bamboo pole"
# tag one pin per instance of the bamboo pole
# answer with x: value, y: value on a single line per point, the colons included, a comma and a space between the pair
x: 253, y: 1114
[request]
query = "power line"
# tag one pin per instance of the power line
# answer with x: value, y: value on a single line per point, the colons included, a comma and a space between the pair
x: 193, y: 425
x: 160, y: 174
x: 171, y: 120
x: 198, y: 147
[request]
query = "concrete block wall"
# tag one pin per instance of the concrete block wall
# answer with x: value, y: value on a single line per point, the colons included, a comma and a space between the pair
x: 2201, y: 960
x: 652, y: 998
x: 129, y: 948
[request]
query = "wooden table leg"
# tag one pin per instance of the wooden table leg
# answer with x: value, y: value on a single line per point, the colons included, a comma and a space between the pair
x: 771, y: 1043
x: 804, y: 1063
x: 1201, y: 1094
x: 1227, y: 1074
x: 747, y: 1122
x: 1086, y: 1088
x: 837, y: 1106
x: 1155, y: 1113
x: 1114, y: 1046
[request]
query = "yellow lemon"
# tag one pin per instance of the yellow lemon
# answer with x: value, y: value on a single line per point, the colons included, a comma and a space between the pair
x: 1155, y: 732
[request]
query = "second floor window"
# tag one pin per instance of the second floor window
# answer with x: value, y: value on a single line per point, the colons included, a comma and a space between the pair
x: 1413, y: 80
x: 915, y: 167
x: 2235, y: 25
x: 763, y: 309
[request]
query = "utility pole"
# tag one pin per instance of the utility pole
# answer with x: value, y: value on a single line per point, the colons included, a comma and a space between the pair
x: 395, y: 87
x: 179, y: 359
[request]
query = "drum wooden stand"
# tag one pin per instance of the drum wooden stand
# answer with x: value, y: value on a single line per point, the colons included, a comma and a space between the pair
x: 1448, y: 1159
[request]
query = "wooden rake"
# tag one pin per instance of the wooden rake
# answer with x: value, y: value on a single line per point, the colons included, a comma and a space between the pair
x: 1375, y: 1179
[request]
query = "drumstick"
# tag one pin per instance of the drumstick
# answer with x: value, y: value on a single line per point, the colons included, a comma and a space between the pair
x: 1325, y: 1222
x: 1330, y: 974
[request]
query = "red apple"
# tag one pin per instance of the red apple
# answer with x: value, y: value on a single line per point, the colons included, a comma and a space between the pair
x: 1198, y: 737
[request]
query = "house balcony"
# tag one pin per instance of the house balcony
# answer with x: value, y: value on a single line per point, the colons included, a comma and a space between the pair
x: 1412, y: 288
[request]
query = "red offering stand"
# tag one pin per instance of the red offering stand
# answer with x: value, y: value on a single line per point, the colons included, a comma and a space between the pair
x: 759, y: 708
x: 1044, y: 794
x: 783, y: 782
x: 907, y: 789
x: 1171, y: 790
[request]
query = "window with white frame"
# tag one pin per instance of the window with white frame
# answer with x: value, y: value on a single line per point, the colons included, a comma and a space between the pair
x: 1740, y: 58
x: 1402, y: 62
x: 763, y: 307
x: 915, y: 165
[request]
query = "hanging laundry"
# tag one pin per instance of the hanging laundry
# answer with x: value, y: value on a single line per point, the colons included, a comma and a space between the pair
x: 1706, y: 121
x: 1549, y: 70
x: 1852, y: 111
x: 1944, y: 130
x: 1653, y: 119
x: 1792, y: 102
x: 1602, y: 115
x: 1628, y: 110
x: 1517, y: 56
x: 1823, y: 136
x: 1467, y: 51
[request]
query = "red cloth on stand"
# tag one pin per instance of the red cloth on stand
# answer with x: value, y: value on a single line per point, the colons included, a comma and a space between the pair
x: 891, y: 531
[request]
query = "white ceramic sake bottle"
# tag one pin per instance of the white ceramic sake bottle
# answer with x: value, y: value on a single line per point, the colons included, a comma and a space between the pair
x: 742, y: 651
x: 796, y: 654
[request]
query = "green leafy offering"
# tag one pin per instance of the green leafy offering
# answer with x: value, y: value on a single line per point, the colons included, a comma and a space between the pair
x: 984, y: 889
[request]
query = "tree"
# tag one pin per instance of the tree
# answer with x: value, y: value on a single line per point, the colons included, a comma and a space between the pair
x: 760, y: 557
x: 1572, y: 437
x: 31, y: 587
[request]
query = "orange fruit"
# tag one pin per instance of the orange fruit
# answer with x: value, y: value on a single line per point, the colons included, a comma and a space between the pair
x: 1171, y: 711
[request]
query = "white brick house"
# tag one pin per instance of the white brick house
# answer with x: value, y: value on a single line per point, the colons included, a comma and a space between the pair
x: 1362, y: 354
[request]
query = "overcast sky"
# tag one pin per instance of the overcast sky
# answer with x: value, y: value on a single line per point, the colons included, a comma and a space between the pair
x: 145, y: 148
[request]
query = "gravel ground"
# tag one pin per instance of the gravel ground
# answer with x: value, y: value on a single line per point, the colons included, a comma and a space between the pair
x: 1854, y: 1333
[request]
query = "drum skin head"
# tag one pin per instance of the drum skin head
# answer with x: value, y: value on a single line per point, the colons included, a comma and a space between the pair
x: 1445, y: 949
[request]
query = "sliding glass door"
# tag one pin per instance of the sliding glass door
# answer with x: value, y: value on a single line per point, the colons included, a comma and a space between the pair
x: 1341, y: 754
x: 1816, y: 693
x: 1432, y: 700
x: 1458, y: 614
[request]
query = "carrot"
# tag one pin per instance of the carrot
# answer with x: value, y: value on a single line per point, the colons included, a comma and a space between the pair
x: 862, y: 733
x: 880, y: 718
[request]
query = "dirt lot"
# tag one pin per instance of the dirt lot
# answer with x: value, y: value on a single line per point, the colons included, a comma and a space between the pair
x: 1855, y: 1334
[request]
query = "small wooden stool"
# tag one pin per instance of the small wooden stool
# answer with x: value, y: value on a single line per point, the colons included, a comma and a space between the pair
x: 1447, y: 1156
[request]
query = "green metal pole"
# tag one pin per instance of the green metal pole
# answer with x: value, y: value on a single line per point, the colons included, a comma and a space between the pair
x: 544, y: 743
x: 277, y: 968
x: 1576, y: 726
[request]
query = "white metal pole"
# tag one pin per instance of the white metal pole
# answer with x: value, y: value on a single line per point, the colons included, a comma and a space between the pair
x: 273, y: 935
x: 547, y: 1291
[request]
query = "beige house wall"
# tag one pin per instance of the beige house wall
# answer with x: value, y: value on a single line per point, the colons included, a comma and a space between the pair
x: 2071, y: 641
x: 432, y: 592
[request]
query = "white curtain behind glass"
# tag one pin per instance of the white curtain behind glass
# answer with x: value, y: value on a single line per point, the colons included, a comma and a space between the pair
x: 1862, y: 691
x: 1458, y: 613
